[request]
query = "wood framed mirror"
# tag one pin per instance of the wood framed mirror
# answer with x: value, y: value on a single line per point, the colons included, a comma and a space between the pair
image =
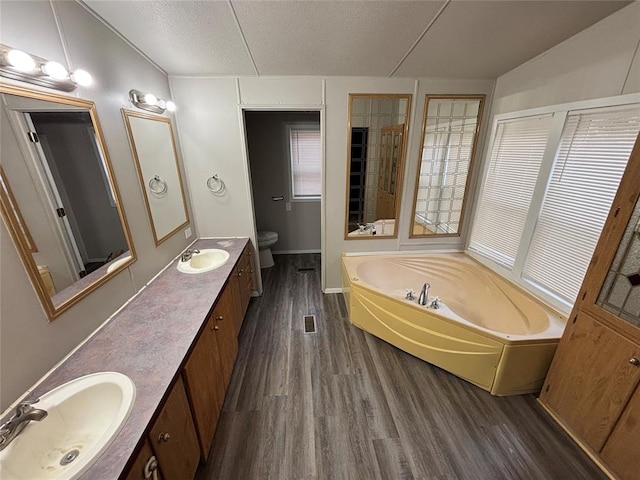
x: 58, y: 196
x: 449, y: 138
x: 376, y: 151
x: 156, y: 159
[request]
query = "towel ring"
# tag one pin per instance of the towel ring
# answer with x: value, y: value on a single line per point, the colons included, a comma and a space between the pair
x: 157, y: 185
x: 215, y: 184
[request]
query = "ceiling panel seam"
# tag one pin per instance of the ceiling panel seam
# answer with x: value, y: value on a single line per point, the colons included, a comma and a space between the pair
x: 244, y: 40
x: 63, y: 39
x: 121, y: 36
x: 424, y: 32
x: 633, y: 57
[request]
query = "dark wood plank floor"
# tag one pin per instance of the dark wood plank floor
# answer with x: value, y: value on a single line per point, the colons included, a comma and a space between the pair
x: 341, y: 403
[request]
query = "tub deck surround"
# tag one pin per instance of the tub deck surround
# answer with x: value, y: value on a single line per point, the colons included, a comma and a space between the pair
x: 148, y: 340
x: 487, y: 331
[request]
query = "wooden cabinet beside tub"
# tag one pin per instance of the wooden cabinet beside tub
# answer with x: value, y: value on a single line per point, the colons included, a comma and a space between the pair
x: 593, y: 386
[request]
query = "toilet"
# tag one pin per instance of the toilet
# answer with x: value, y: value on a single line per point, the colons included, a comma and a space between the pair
x: 265, y: 241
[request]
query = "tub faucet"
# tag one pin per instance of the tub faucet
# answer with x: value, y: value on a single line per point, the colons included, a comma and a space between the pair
x: 363, y: 227
x: 188, y: 253
x: 24, y: 414
x: 424, y: 294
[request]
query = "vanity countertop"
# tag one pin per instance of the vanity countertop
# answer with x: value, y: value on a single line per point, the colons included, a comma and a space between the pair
x: 148, y: 340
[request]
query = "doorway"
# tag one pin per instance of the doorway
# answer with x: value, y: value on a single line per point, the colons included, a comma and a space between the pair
x: 284, y: 151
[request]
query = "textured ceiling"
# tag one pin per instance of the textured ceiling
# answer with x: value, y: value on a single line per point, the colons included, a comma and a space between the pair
x: 428, y: 38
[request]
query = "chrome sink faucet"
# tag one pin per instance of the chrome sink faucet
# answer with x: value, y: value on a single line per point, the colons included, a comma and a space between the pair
x: 424, y: 294
x: 188, y: 253
x: 24, y: 414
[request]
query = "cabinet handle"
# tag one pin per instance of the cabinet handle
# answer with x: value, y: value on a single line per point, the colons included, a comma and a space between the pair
x: 151, y: 468
x: 163, y: 437
x: 216, y: 327
x: 239, y: 274
x: 634, y: 361
x: 219, y: 318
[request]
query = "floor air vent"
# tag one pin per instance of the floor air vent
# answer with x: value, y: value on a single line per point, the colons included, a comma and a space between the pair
x: 305, y: 269
x: 309, y: 323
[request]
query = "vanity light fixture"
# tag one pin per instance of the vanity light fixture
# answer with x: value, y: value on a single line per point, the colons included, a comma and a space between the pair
x: 149, y: 102
x: 18, y: 65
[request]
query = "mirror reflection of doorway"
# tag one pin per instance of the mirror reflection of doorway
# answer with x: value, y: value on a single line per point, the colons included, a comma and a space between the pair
x: 358, y: 175
x: 70, y: 171
x: 285, y: 158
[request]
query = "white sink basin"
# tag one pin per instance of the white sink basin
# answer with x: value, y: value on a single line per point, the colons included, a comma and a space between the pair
x: 116, y: 263
x: 205, y: 261
x: 84, y: 415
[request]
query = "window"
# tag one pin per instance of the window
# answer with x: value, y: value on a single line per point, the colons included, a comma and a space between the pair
x: 516, y: 158
x: 594, y: 149
x: 550, y: 184
x: 306, y: 161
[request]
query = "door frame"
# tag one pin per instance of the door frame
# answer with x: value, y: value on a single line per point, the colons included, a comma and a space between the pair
x: 245, y: 154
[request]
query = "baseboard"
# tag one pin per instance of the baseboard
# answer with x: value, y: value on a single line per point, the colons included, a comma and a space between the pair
x: 332, y: 290
x: 294, y: 252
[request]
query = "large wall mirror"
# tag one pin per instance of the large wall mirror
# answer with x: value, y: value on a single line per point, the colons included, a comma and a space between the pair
x: 449, y: 137
x: 58, y: 195
x: 154, y: 152
x: 377, y: 137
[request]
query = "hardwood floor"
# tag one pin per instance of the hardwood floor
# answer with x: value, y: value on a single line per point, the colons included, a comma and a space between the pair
x: 340, y: 403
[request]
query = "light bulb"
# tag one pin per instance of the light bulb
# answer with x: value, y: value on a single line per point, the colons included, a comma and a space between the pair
x: 171, y: 106
x: 150, y: 99
x: 82, y: 78
x: 162, y: 104
x: 55, y: 70
x: 21, y: 61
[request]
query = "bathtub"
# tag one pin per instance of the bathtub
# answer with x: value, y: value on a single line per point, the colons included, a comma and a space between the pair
x: 487, y: 330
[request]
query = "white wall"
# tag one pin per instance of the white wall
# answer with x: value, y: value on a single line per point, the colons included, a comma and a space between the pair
x: 212, y: 136
x: 29, y: 345
x: 601, y: 61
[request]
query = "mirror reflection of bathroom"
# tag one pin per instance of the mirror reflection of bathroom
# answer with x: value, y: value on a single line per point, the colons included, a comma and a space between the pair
x: 285, y: 161
x: 378, y: 126
x: 449, y: 137
x: 59, y: 190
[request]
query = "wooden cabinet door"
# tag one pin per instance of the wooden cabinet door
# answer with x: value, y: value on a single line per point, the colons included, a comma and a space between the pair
x: 591, y: 380
x: 226, y: 336
x: 621, y: 452
x: 236, y: 285
x: 137, y: 470
x: 205, y: 384
x: 173, y: 437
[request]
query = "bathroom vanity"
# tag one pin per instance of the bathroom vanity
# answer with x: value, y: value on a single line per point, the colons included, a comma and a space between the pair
x: 177, y: 340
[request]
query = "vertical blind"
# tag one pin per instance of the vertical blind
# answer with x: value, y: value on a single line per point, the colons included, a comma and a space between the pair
x: 509, y: 184
x: 590, y: 161
x: 306, y: 162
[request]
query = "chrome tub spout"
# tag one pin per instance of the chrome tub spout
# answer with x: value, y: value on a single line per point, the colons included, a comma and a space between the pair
x: 424, y: 294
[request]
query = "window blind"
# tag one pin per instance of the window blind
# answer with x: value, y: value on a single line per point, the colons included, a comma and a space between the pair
x: 306, y: 162
x: 593, y: 153
x: 515, y: 161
